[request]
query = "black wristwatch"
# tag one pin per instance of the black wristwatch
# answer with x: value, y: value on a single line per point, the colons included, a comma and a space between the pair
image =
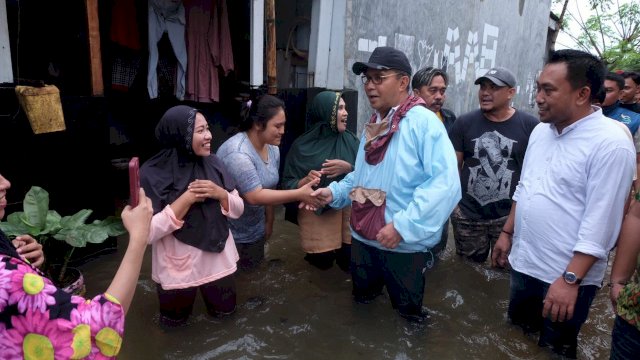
x: 571, y: 278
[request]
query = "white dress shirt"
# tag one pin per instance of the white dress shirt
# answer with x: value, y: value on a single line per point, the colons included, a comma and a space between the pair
x: 571, y: 196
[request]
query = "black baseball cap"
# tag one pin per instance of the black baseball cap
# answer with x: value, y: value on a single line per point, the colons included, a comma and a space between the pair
x: 384, y: 58
x: 500, y: 76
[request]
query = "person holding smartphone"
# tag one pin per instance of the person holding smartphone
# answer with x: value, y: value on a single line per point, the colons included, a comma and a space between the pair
x: 41, y: 321
x: 192, y: 195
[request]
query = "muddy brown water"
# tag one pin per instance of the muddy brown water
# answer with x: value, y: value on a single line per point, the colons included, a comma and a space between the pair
x: 290, y: 310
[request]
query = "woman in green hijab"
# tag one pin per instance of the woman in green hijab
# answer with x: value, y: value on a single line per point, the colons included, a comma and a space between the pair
x: 326, y: 151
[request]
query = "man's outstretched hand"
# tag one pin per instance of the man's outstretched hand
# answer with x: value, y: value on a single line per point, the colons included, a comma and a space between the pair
x: 322, y: 197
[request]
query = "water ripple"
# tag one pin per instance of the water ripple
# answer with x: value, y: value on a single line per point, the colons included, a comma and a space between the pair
x: 248, y: 343
x: 457, y: 298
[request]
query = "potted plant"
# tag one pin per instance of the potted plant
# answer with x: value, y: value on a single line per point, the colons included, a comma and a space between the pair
x: 48, y: 228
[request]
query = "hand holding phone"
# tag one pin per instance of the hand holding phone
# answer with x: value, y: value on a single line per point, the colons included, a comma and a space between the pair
x: 134, y: 181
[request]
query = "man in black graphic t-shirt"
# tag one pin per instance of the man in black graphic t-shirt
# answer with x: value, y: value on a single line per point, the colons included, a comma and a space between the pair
x: 490, y: 144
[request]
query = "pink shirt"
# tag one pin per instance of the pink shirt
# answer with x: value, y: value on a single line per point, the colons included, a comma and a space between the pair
x: 176, y: 265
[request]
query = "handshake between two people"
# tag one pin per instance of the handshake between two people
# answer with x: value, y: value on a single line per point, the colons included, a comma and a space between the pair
x: 313, y: 199
x: 388, y: 236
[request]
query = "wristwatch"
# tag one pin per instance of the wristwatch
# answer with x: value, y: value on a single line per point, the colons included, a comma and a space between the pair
x: 571, y: 278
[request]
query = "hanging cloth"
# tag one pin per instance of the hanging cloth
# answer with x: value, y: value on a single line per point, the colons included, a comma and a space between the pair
x: 167, y: 16
x: 124, y: 27
x: 208, y: 48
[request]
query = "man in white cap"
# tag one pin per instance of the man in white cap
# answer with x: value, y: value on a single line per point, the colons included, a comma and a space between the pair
x: 404, y: 186
x: 490, y: 144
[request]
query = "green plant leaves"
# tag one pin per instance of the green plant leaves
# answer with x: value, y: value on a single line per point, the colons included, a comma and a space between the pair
x: 13, y: 230
x: 36, y: 206
x: 75, y: 220
x: 53, y: 222
x: 40, y: 222
x: 81, y: 235
x: 113, y: 225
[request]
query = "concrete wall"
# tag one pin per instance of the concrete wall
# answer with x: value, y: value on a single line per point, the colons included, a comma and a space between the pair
x: 465, y: 37
x: 6, y: 72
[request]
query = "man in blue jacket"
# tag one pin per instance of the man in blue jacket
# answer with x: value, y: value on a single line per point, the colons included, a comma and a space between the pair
x: 404, y: 186
x: 612, y: 108
x: 613, y: 85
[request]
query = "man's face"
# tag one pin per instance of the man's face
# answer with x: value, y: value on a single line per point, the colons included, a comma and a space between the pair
x: 433, y: 94
x: 630, y: 90
x: 555, y: 98
x: 388, y: 92
x: 613, y: 92
x: 493, y: 97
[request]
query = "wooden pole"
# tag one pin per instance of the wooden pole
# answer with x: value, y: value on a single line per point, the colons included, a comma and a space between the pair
x: 270, y: 14
x: 95, y: 57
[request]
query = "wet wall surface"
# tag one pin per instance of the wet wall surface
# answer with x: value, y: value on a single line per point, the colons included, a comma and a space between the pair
x: 290, y: 310
x: 465, y: 38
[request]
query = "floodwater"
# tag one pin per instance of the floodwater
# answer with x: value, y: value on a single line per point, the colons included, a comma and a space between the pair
x: 288, y: 309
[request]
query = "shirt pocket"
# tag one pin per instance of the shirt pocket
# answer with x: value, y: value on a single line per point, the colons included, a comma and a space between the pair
x: 569, y: 170
x: 178, y: 266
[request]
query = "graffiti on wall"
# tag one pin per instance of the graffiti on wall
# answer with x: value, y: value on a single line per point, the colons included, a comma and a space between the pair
x: 465, y: 56
x: 368, y: 45
x: 477, y: 58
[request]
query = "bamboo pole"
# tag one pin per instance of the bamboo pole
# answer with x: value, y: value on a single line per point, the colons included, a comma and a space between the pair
x: 95, y: 57
x: 270, y: 15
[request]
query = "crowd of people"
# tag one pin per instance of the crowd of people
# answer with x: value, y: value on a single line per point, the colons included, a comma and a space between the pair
x: 548, y: 198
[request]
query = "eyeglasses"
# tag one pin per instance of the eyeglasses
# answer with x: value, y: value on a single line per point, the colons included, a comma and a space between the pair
x: 375, y: 79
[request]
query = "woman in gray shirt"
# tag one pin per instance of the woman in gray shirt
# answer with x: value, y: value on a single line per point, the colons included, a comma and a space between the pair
x: 252, y: 157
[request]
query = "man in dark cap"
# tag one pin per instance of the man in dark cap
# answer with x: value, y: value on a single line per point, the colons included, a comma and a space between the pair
x: 490, y: 144
x: 404, y: 186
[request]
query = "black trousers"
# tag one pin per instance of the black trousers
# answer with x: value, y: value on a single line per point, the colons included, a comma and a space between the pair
x: 525, y: 310
x: 401, y: 273
x: 176, y: 305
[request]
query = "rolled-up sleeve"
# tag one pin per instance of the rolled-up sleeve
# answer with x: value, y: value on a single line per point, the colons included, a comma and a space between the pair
x: 603, y: 215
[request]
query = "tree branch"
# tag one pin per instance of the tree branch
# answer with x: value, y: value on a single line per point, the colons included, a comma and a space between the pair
x: 587, y: 33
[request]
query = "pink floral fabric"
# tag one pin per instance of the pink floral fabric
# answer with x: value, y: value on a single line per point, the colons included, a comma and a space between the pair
x: 39, y: 320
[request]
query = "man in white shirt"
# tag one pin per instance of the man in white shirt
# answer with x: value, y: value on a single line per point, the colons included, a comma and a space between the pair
x: 568, y: 206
